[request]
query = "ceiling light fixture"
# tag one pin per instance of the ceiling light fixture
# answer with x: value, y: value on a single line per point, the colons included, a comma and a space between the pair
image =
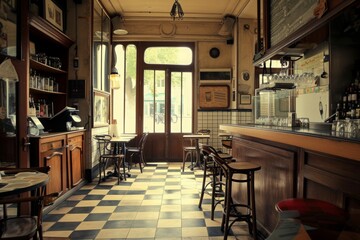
x: 118, y: 25
x: 176, y: 11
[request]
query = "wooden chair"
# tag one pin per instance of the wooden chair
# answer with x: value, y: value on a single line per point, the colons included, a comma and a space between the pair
x: 21, y: 227
x: 108, y: 154
x: 138, y: 151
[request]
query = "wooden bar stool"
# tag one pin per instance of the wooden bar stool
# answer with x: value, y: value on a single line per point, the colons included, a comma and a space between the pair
x: 212, y: 171
x: 325, y: 218
x: 237, y: 211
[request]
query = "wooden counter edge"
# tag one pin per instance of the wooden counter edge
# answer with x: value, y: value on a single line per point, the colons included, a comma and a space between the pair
x: 328, y: 146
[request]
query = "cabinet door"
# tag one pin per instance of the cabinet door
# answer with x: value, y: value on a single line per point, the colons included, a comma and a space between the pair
x: 54, y: 155
x: 75, y: 161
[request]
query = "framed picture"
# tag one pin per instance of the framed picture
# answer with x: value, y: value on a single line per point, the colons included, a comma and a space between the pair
x: 53, y: 14
x: 245, y: 99
x: 9, y: 30
x: 101, y: 110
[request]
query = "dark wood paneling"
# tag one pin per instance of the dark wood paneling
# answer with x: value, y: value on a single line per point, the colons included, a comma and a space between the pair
x: 275, y: 181
x: 335, y: 180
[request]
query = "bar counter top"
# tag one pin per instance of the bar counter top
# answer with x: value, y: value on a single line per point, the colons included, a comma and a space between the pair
x: 312, y: 139
x: 54, y: 134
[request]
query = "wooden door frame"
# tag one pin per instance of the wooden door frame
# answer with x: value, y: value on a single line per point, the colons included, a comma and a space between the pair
x: 141, y: 47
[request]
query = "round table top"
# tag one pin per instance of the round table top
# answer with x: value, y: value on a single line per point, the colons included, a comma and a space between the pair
x: 21, y: 182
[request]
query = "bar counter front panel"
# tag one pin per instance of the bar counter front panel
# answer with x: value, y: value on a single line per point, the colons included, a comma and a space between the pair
x: 297, y: 163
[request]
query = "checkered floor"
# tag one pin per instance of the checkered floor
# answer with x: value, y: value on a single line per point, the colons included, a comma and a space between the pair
x: 160, y: 203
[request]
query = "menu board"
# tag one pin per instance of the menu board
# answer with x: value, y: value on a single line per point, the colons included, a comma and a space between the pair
x: 288, y: 16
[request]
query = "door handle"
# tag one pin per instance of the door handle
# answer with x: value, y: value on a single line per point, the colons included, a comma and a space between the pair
x: 26, y: 144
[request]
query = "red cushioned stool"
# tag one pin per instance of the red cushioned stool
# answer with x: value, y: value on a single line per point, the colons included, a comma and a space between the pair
x: 317, y: 214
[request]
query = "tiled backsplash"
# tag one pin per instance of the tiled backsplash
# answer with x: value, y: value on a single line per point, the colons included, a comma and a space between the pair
x: 212, y: 119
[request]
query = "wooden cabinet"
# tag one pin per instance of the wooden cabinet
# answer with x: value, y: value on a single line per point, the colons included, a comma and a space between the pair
x: 63, y: 152
x: 49, y: 53
x: 75, y: 150
x: 51, y: 151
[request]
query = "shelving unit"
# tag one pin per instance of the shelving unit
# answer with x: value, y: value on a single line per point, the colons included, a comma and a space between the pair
x: 63, y: 151
x: 51, y: 42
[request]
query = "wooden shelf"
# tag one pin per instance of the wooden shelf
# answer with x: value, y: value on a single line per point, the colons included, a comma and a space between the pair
x: 42, y: 28
x: 43, y: 67
x: 46, y: 92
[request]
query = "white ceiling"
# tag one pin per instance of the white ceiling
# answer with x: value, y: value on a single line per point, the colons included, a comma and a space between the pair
x: 195, y: 10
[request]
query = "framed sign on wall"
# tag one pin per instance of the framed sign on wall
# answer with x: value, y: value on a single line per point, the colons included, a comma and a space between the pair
x: 214, y: 96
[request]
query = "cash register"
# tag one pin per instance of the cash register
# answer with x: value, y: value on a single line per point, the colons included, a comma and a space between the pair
x: 65, y: 120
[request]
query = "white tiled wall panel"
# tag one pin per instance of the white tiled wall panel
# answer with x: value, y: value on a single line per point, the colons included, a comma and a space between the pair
x: 94, y: 154
x: 212, y: 119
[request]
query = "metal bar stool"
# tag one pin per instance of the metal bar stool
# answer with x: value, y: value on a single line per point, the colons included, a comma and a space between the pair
x: 234, y: 211
x: 212, y: 171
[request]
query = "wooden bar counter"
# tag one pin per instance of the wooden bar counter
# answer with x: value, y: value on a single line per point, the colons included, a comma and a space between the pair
x: 304, y: 163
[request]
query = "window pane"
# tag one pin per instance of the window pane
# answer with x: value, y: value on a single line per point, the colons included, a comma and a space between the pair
x: 168, y: 55
x: 159, y: 103
x: 176, y: 84
x: 181, y: 102
x: 119, y: 94
x: 130, y: 90
x: 187, y: 102
x: 149, y: 101
x: 124, y: 105
x: 154, y: 101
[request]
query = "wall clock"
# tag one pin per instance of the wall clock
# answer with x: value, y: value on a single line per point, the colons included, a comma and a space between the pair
x: 214, y: 52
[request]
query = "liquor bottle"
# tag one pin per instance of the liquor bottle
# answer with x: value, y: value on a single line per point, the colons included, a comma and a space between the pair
x: 42, y: 108
x: 344, y: 111
x: 357, y: 110
x: 354, y: 92
x: 31, y: 110
x: 37, y: 106
x: 345, y: 97
x: 353, y: 110
x: 338, y: 112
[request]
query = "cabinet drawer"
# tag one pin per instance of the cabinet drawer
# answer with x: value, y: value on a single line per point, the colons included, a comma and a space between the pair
x: 51, y: 145
x: 75, y: 140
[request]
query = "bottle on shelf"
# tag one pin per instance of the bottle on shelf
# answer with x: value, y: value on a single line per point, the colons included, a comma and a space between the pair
x: 32, y: 109
x: 37, y: 106
x: 338, y: 113
x: 357, y: 110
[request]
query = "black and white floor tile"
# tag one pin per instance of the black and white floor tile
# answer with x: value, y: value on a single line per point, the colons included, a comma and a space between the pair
x: 160, y: 203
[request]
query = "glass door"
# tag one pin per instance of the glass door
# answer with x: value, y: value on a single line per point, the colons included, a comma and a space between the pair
x: 167, y: 111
